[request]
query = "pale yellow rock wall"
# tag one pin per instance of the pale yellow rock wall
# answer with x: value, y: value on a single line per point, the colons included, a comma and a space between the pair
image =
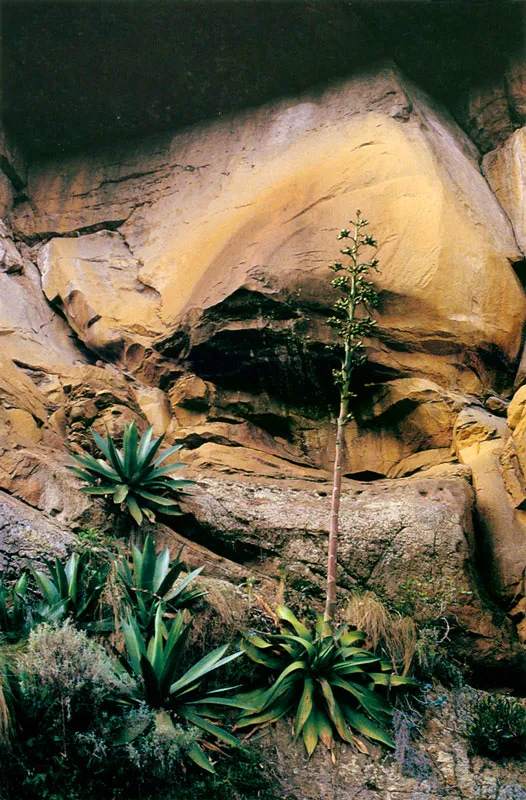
x: 256, y: 202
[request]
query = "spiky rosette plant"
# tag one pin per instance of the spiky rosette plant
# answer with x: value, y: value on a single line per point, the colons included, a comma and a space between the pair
x: 152, y: 580
x: 133, y: 476
x: 178, y: 695
x: 323, y: 679
x: 74, y: 590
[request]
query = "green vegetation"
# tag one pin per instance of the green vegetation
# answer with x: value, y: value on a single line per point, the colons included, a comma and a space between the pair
x: 328, y: 683
x: 133, y: 476
x: 95, y: 712
x: 155, y: 663
x: 332, y: 687
x: 72, y: 590
x: 129, y: 704
x: 497, y: 727
x: 14, y: 622
x: 151, y: 580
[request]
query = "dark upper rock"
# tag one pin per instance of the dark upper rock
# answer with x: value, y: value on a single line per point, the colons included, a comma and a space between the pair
x: 78, y: 73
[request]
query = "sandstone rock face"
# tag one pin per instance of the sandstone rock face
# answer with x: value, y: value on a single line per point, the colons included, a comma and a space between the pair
x: 25, y: 534
x: 183, y: 282
x: 95, y: 280
x: 234, y: 224
x: 482, y: 442
x: 431, y: 762
x: 505, y: 170
x: 32, y: 334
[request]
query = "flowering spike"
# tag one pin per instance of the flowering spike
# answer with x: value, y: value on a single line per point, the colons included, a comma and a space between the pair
x: 353, y: 323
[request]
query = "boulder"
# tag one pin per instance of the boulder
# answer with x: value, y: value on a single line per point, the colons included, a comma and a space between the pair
x: 411, y: 541
x: 480, y: 441
x: 28, y: 535
x: 505, y: 169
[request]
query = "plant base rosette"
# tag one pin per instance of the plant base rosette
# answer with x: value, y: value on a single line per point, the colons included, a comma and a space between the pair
x: 330, y: 685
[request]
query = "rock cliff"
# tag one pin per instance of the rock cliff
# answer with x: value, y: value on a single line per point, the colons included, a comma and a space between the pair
x: 182, y: 280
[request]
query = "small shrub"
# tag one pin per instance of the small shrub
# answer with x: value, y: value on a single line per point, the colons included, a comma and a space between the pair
x: 432, y: 659
x: 102, y: 546
x: 65, y: 675
x: 162, y: 751
x: 70, y: 700
x: 246, y: 777
x: 497, y: 727
x: 426, y: 595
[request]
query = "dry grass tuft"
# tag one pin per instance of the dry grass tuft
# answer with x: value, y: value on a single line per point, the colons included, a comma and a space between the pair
x: 393, y: 635
x: 216, y: 619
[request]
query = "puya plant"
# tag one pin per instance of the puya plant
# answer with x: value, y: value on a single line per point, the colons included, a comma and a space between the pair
x: 353, y: 322
x: 133, y: 477
x: 152, y: 580
x: 71, y: 590
x: 331, y: 687
x: 175, y: 693
x: 324, y: 679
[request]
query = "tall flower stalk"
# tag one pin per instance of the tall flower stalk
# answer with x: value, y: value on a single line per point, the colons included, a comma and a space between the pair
x: 353, y: 322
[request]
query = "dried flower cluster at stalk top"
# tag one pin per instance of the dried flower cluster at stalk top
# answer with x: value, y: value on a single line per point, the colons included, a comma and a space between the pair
x: 356, y: 292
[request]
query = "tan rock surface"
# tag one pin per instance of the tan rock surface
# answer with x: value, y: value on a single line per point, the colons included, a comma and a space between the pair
x: 505, y: 170
x: 480, y: 439
x: 516, y: 408
x: 251, y: 205
x: 95, y: 280
x: 17, y: 391
x: 27, y: 534
x: 155, y: 406
x: 30, y: 331
x: 11, y: 260
x: 423, y: 460
x: 37, y: 475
